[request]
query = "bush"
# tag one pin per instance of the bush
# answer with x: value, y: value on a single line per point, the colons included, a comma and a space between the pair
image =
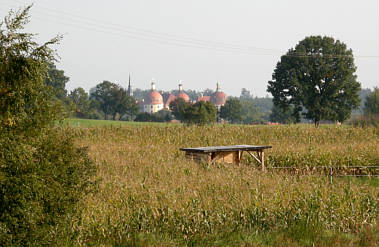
x: 43, y: 175
x: 42, y: 180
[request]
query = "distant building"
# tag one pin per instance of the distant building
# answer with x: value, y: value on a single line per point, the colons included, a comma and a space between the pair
x: 181, y: 94
x: 218, y: 98
x: 153, y: 102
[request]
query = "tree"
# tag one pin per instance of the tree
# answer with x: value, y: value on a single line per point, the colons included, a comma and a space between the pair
x: 250, y: 113
x: 81, y: 102
x: 122, y: 103
x: 317, y: 75
x: 43, y: 174
x: 281, y: 115
x: 25, y: 102
x: 57, y: 80
x: 372, y: 103
x: 178, y: 107
x: 232, y: 110
x: 112, y: 99
x: 200, y: 113
x: 104, y: 94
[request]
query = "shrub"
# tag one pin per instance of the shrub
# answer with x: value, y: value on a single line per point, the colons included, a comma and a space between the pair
x: 43, y: 174
x: 42, y: 180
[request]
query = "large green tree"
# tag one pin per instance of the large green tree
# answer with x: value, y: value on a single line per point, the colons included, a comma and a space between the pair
x: 113, y: 100
x: 123, y: 103
x: 318, y: 79
x: 43, y: 175
x: 200, y: 113
x: 103, y: 94
x: 232, y: 110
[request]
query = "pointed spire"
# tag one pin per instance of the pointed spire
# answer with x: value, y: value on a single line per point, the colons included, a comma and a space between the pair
x: 218, y: 89
x: 130, y: 91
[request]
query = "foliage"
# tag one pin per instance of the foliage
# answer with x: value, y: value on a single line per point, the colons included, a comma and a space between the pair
x: 57, y: 80
x: 200, y: 113
x: 251, y: 113
x: 280, y: 115
x: 123, y: 103
x: 81, y: 102
x: 43, y: 174
x: 372, y: 103
x: 256, y: 110
x: 42, y: 180
x: 363, y: 93
x: 25, y: 104
x: 178, y: 107
x: 232, y: 110
x: 317, y: 75
x: 161, y: 116
x: 103, y: 95
x: 113, y: 100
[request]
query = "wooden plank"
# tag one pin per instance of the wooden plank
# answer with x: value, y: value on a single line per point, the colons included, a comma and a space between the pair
x: 226, y: 148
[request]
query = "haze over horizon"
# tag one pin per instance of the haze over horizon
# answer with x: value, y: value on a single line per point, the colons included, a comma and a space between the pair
x: 198, y: 42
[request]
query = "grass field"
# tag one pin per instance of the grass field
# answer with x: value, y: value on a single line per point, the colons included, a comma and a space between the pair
x: 78, y: 122
x: 150, y: 195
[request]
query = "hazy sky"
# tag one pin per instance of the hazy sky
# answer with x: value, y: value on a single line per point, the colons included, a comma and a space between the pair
x: 200, y: 42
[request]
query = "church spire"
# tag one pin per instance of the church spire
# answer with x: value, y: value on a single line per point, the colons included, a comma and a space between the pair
x: 130, y: 91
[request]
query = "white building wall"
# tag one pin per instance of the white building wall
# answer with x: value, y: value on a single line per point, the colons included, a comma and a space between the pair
x: 152, y: 108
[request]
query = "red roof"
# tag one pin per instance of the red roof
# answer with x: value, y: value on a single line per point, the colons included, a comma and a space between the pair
x: 171, y: 98
x: 204, y: 98
x: 153, y: 98
x: 183, y: 96
x: 218, y: 98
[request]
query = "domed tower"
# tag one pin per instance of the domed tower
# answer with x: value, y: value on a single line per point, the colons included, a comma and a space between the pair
x: 153, y: 101
x: 218, y: 98
x: 182, y: 94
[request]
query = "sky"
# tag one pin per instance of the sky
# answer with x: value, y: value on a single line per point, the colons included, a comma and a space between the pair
x: 198, y: 42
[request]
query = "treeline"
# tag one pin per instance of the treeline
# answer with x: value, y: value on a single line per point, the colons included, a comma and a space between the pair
x: 109, y: 100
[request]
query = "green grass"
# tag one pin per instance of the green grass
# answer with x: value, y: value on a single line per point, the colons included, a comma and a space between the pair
x: 77, y: 122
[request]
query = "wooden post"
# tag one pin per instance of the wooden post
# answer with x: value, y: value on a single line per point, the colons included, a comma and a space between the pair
x: 263, y: 160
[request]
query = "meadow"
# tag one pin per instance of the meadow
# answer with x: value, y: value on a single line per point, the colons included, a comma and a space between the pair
x: 148, y: 194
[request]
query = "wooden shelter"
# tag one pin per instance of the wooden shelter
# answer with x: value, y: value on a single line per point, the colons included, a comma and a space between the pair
x: 226, y: 154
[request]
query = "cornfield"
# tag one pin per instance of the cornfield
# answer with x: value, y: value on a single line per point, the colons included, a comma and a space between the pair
x: 149, y: 194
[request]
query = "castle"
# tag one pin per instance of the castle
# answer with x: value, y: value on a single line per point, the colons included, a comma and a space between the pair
x: 154, y: 101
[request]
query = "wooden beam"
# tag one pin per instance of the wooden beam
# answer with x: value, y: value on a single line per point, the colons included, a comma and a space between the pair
x: 252, y: 155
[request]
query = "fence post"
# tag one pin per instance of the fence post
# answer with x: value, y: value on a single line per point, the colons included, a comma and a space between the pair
x: 331, y: 174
